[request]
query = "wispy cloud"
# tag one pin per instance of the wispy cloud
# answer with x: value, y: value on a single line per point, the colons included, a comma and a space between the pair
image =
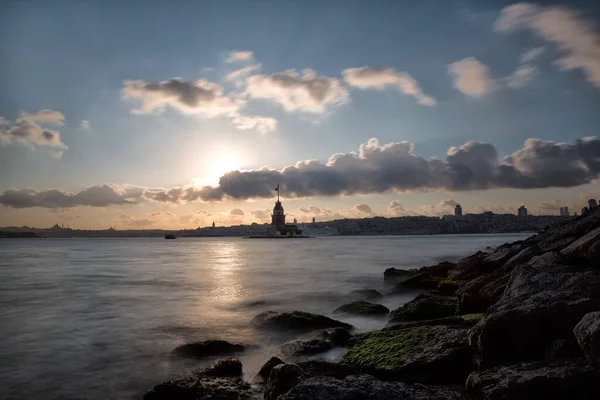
x: 240, y: 55
x: 471, y: 77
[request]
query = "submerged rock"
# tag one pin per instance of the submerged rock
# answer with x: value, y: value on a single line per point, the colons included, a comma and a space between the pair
x: 265, y: 370
x: 564, y: 379
x: 220, y: 382
x: 399, y: 273
x: 435, y: 354
x: 317, y: 343
x: 362, y: 307
x: 296, y: 320
x: 425, y: 306
x: 358, y: 387
x: 587, y: 333
x: 366, y: 294
x: 208, y: 348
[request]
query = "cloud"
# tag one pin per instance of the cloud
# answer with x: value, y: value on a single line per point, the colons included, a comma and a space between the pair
x: 240, y: 55
x: 94, y: 196
x: 202, y: 213
x: 237, y: 212
x: 532, y: 54
x: 242, y: 72
x: 200, y: 97
x: 380, y: 78
x: 395, y: 208
x: 444, y: 207
x: 374, y: 169
x: 521, y: 77
x: 309, y: 92
x: 471, y: 77
x: 574, y: 36
x: 262, y: 215
x: 262, y: 125
x: 363, y: 209
x: 26, y: 129
x: 85, y: 125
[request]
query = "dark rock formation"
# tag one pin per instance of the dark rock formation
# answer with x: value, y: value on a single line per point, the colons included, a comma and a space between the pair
x: 563, y: 379
x: 439, y: 270
x: 587, y: 333
x: 366, y: 294
x: 479, y: 294
x: 435, y: 354
x: 448, y: 287
x: 265, y: 370
x: 315, y: 368
x: 425, y: 306
x: 208, y: 348
x: 422, y: 280
x: 362, y: 307
x: 221, y: 382
x: 399, y: 273
x: 296, y: 320
x: 317, y: 343
x: 360, y: 387
x: 283, y: 377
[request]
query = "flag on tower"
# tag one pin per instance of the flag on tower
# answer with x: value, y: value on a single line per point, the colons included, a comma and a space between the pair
x: 277, y: 188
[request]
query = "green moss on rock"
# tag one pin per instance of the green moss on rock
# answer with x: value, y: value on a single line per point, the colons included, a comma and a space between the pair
x: 474, y: 318
x: 424, y: 307
x: 296, y: 320
x: 362, y: 307
x: 448, y: 286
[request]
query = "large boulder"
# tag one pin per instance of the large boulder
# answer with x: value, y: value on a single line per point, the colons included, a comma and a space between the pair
x: 271, y: 363
x: 422, y: 280
x: 435, y: 354
x: 425, y: 306
x: 360, y: 387
x: 208, y: 348
x: 542, y: 303
x: 316, y: 343
x: 471, y: 267
x: 362, y: 307
x: 562, y: 380
x: 296, y: 320
x: 585, y: 249
x: 221, y: 382
x: 448, y: 287
x: 479, y: 294
x: 439, y: 270
x: 283, y: 377
x: 587, y: 333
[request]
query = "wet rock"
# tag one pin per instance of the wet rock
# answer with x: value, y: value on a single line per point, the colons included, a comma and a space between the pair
x: 467, y: 320
x: 220, y: 382
x: 439, y: 270
x: 587, y: 333
x: 366, y: 294
x: 542, y: 303
x: 362, y: 307
x: 283, y: 377
x: 399, y: 273
x: 425, y: 306
x: 479, y: 294
x: 359, y: 387
x: 470, y: 267
x: 314, y: 368
x: 317, y: 343
x: 564, y: 379
x: 208, y: 348
x: 265, y: 370
x: 585, y: 249
x: 437, y: 354
x: 420, y: 281
x: 296, y: 320
x: 448, y: 287
x: 228, y: 367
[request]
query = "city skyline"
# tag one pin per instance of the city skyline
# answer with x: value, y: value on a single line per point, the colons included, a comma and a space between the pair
x: 489, y: 105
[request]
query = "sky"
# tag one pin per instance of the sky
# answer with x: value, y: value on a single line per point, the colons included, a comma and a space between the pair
x: 148, y: 114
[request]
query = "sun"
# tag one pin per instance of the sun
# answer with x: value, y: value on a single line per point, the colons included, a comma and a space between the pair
x: 221, y: 164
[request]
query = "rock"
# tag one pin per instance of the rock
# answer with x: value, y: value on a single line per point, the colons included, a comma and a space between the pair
x: 521, y: 257
x: 479, y: 294
x: 314, y: 368
x: 439, y: 270
x: 283, y: 377
x: 542, y: 303
x: 220, y: 382
x: 448, y: 287
x: 228, y: 367
x: 563, y: 379
x: 436, y: 354
x: 461, y: 320
x: 265, y: 370
x: 587, y: 333
x: 362, y: 307
x: 360, y: 387
x: 366, y: 294
x: 296, y: 320
x: 470, y: 267
x: 208, y: 348
x: 425, y: 306
x: 399, y: 273
x: 420, y: 281
x: 585, y: 249
x: 317, y: 343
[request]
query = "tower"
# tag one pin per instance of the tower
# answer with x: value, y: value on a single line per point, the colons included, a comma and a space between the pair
x: 213, y: 225
x: 458, y: 211
x: 278, y: 217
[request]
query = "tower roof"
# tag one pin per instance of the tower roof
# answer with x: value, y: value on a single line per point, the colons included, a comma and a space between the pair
x: 278, y: 206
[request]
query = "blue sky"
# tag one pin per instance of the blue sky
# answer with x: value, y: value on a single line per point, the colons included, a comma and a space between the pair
x: 74, y: 57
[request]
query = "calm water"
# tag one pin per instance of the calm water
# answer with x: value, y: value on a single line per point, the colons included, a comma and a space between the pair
x: 98, y: 318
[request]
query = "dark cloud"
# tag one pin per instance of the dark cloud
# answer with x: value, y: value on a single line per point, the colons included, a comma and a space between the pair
x: 363, y: 208
x: 237, y: 212
x: 26, y: 129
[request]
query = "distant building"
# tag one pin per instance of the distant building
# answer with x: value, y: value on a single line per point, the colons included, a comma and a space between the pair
x: 213, y: 225
x: 295, y: 221
x: 592, y: 203
x: 522, y: 211
x: 314, y: 221
x: 458, y: 211
x: 564, y: 211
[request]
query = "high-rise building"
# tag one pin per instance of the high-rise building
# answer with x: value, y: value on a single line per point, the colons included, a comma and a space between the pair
x: 566, y: 211
x: 314, y: 221
x: 561, y: 211
x: 522, y: 211
x: 458, y: 211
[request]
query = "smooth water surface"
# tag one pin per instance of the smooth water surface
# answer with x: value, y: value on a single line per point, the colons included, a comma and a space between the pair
x: 98, y: 318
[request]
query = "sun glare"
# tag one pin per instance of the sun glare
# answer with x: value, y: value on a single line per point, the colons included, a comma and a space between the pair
x: 221, y: 164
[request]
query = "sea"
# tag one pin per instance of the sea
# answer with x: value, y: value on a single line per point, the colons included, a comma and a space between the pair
x: 99, y: 318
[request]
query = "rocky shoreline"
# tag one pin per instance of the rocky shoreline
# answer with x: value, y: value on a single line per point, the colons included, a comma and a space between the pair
x: 519, y: 322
